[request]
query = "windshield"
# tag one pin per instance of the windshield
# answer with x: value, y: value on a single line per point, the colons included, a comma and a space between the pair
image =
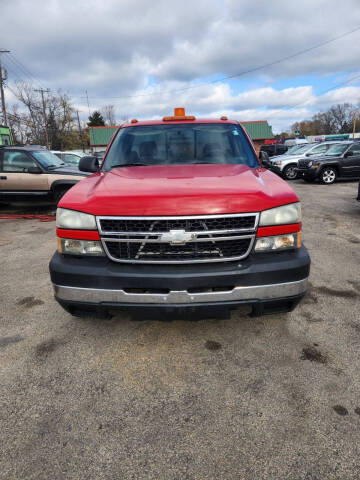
x: 47, y: 159
x: 300, y: 149
x: 336, y: 149
x: 180, y: 144
x: 295, y: 148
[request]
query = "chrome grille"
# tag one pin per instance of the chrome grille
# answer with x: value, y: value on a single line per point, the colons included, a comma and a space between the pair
x: 192, y: 239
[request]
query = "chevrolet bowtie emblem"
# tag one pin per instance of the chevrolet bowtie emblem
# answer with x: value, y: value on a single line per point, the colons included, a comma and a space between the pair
x: 177, y: 237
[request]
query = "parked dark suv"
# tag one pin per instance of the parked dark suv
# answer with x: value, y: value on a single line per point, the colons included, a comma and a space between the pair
x: 31, y: 173
x: 341, y: 161
x: 274, y: 149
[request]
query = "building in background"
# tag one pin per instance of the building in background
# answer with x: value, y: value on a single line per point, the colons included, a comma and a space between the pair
x: 5, y: 135
x: 259, y: 131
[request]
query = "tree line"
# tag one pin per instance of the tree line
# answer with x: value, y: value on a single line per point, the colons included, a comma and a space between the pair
x: 65, y: 132
x: 336, y: 120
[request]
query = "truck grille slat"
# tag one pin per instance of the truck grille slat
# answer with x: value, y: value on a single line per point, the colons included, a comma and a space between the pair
x: 209, y: 238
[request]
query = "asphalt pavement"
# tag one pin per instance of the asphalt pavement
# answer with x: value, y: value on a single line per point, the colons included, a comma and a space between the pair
x: 276, y: 397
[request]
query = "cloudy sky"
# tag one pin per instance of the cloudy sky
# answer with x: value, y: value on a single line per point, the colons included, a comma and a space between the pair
x: 147, y: 56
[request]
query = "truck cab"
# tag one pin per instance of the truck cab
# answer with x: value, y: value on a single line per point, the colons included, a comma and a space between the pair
x: 181, y: 217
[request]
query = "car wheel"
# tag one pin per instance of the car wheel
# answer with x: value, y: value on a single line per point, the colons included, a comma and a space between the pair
x: 290, y: 172
x: 328, y: 175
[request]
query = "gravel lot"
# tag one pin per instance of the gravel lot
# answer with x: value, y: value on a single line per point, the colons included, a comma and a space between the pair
x: 276, y: 397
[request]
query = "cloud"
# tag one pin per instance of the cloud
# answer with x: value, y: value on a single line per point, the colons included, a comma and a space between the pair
x: 123, y: 49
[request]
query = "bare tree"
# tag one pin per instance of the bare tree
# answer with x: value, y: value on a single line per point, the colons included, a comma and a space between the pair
x: 28, y: 119
x: 338, y: 119
x: 108, y: 112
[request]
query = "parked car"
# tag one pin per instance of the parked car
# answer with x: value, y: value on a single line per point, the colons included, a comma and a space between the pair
x: 28, y: 173
x: 286, y: 164
x: 340, y: 161
x: 180, y: 218
x: 274, y: 149
x: 69, y: 158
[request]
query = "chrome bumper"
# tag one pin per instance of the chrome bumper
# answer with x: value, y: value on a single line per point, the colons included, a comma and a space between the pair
x: 258, y: 292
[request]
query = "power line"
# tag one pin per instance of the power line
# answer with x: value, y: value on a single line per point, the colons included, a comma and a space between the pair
x: 23, y: 68
x: 244, y: 72
x: 328, y: 90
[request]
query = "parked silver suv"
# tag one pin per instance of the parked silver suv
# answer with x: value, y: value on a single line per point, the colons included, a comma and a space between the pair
x: 286, y: 165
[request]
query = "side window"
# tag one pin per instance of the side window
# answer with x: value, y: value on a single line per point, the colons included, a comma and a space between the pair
x: 17, y: 162
x: 355, y: 149
x: 319, y: 150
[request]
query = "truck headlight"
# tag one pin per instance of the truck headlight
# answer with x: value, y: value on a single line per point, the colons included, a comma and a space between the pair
x: 74, y: 220
x: 278, y: 242
x: 71, y: 246
x: 283, y: 215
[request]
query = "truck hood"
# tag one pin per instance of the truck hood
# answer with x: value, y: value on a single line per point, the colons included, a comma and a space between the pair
x: 179, y: 190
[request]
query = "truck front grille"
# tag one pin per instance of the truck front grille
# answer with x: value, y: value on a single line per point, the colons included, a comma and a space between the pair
x: 210, y: 238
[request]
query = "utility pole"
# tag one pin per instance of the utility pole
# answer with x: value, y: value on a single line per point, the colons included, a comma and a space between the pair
x: 354, y: 123
x: 3, y: 106
x: 80, y: 132
x: 88, y: 104
x: 42, y: 91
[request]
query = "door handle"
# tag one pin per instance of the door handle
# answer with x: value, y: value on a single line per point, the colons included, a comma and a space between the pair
x: 3, y: 178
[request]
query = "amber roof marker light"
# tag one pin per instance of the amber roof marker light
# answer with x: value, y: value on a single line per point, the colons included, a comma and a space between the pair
x: 224, y: 118
x: 179, y: 114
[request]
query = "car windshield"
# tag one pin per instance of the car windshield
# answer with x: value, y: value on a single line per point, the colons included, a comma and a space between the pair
x: 180, y: 144
x: 299, y: 149
x: 336, y: 149
x: 47, y: 159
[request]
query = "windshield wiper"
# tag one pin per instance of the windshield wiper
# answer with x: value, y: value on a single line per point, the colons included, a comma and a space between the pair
x: 131, y: 164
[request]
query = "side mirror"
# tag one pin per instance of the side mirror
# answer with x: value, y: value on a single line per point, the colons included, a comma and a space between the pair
x: 264, y: 159
x: 34, y: 170
x: 348, y: 154
x: 89, y: 164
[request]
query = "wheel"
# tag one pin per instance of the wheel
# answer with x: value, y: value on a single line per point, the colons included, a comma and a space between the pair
x: 328, y: 175
x: 290, y: 172
x: 59, y: 193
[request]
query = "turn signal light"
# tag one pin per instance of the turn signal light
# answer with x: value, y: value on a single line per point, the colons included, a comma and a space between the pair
x: 179, y: 114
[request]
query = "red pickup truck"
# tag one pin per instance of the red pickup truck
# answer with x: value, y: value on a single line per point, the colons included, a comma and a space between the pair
x: 181, y: 217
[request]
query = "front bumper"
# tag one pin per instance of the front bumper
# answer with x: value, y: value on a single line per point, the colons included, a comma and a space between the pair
x: 267, y: 282
x: 309, y: 173
x: 276, y: 169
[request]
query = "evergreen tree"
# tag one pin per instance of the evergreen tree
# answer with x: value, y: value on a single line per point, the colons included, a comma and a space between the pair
x: 96, y: 120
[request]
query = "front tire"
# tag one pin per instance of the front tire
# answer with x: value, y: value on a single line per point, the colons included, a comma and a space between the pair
x: 328, y: 175
x: 290, y: 172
